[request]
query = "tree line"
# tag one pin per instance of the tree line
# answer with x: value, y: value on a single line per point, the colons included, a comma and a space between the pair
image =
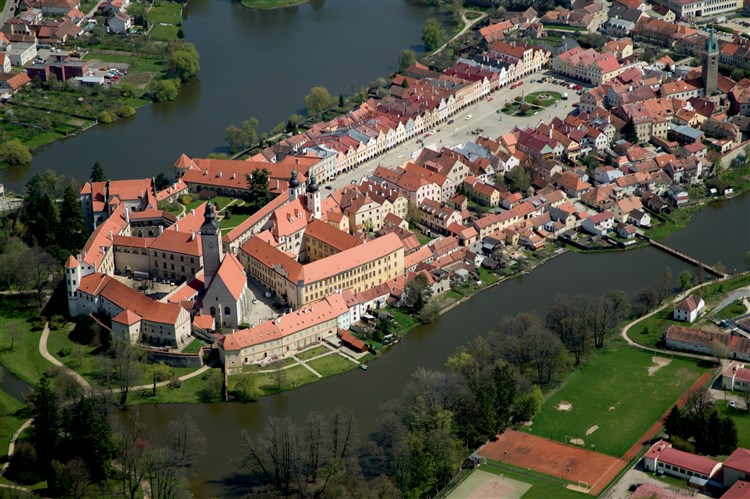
x: 78, y: 445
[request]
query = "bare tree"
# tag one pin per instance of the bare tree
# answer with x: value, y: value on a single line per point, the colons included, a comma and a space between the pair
x: 160, y: 372
x: 131, y: 448
x: 43, y: 271
x: 544, y: 349
x: 698, y: 401
x: 13, y: 333
x: 720, y: 351
x: 79, y: 479
x: 279, y: 376
x: 127, y: 366
x: 186, y: 441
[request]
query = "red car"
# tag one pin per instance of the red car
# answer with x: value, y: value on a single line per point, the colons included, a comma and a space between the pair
x: 520, y: 83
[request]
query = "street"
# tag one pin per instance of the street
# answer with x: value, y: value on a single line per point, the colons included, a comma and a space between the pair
x: 484, y: 115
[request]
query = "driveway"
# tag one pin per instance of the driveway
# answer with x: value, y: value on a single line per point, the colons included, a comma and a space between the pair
x: 639, y: 475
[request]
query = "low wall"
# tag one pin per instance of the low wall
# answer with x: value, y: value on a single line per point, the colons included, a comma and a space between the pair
x: 176, y: 359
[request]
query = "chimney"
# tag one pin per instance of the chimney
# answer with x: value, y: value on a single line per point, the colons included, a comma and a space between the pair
x: 176, y: 227
x: 111, y: 238
x: 161, y: 229
x: 192, y: 212
x: 192, y: 236
x: 127, y: 215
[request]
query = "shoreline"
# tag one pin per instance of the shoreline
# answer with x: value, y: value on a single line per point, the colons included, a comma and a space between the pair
x: 272, y: 4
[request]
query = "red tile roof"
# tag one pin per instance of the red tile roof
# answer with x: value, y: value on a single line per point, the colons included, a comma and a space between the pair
x: 739, y: 460
x: 740, y: 490
x: 664, y: 452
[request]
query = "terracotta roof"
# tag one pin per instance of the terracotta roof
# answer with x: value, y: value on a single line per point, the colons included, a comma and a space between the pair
x: 254, y: 219
x: 232, y: 274
x: 689, y: 304
x: 127, y: 317
x: 205, y: 322
x: 71, y: 263
x: 707, y: 338
x: 739, y: 460
x: 330, y: 235
x: 740, y: 490
x: 178, y: 242
x: 664, y: 452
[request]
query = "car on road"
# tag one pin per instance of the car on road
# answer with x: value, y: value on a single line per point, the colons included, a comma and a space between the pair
x: 329, y: 187
x: 255, y: 301
x: 450, y: 122
x: 468, y: 118
x: 733, y: 404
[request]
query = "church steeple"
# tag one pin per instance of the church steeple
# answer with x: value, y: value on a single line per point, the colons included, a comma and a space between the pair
x: 210, y: 244
x: 711, y: 65
x: 294, y: 186
x: 313, y: 197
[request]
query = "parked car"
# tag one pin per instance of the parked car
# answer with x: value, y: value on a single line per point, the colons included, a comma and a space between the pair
x: 733, y: 404
x: 450, y: 122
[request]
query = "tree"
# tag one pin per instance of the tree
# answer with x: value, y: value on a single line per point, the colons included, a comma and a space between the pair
x: 686, y: 279
x: 317, y: 101
x: 87, y: 434
x: 648, y: 54
x: 279, y: 377
x: 518, y: 179
x: 43, y: 228
x: 720, y: 351
x: 245, y: 387
x: 13, y: 332
x: 130, y: 448
x: 407, y: 58
x: 45, y: 409
x: 413, y: 214
x: 127, y: 367
x: 629, y: 133
x: 433, y: 34
x: 97, y: 173
x: 250, y: 127
x: 259, y: 194
x: 160, y: 372
x: 71, y: 232
x: 293, y: 123
x: 164, y: 90
x: 528, y: 405
x: 418, y: 293
x: 183, y: 62
x: 44, y: 271
x: 235, y: 137
x: 665, y: 284
x: 14, y: 152
x: 161, y: 182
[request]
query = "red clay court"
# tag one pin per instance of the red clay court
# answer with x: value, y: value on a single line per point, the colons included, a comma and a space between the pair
x: 554, y: 458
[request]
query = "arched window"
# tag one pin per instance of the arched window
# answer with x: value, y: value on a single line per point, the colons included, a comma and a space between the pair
x: 213, y: 310
x: 227, y: 311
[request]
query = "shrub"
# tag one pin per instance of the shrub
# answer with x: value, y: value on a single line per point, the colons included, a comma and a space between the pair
x: 184, y: 199
x: 517, y: 98
x: 175, y: 383
x: 126, y: 111
x: 105, y: 117
x: 14, y: 152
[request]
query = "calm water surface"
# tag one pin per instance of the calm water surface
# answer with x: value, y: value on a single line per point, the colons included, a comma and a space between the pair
x: 253, y: 63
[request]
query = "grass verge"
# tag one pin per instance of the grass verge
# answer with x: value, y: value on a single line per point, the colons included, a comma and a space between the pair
x: 331, y: 365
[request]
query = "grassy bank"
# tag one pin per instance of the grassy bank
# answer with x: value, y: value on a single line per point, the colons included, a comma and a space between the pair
x: 23, y: 359
x: 166, y: 18
x: 10, y: 420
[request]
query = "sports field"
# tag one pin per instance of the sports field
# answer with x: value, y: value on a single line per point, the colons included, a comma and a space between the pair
x: 480, y: 485
x: 591, y: 470
x: 611, y: 402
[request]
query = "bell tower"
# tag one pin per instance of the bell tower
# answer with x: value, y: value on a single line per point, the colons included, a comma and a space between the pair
x: 711, y: 65
x: 313, y: 197
x: 210, y: 244
x: 294, y: 189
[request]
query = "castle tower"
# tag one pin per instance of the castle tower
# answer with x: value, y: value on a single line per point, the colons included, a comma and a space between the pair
x: 211, y: 244
x: 72, y: 281
x: 711, y: 65
x: 313, y: 198
x: 294, y: 189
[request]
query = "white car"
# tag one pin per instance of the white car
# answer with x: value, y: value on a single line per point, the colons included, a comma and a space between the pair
x: 733, y: 404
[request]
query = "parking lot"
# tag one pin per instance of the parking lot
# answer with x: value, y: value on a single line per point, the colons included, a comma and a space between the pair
x: 484, y: 115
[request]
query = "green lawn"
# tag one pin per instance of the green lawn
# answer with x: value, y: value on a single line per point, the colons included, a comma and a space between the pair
x: 488, y: 277
x: 649, y: 332
x: 187, y: 393
x: 741, y: 418
x: 9, y: 423
x: 732, y: 310
x: 136, y: 63
x: 553, y: 97
x: 314, y: 352
x: 24, y: 360
x: 233, y: 220
x: 294, y: 377
x: 421, y: 237
x: 405, y: 321
x: 168, y: 13
x: 332, y: 364
x: 616, y: 393
x: 193, y: 347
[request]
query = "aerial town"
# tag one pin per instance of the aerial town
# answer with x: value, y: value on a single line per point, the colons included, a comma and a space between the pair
x: 594, y: 130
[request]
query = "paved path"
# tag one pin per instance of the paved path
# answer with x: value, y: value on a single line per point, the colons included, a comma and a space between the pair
x: 53, y: 360
x: 681, y: 296
x: 467, y: 25
x: 12, y: 445
x: 737, y: 294
x: 303, y: 363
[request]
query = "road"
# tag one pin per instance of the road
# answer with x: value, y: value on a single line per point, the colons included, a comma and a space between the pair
x: 8, y: 11
x: 484, y: 115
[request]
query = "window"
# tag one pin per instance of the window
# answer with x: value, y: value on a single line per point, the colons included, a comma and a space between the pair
x: 227, y: 311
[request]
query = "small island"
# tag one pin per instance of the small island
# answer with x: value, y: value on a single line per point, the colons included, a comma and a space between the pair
x: 272, y: 4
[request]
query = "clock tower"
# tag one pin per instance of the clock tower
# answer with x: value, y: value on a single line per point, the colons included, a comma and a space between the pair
x: 210, y: 244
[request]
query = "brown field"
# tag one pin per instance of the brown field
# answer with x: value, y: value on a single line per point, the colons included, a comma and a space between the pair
x: 554, y: 458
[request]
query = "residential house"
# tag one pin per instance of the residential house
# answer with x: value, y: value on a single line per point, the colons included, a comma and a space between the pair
x: 688, y: 309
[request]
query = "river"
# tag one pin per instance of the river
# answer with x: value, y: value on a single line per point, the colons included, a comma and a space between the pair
x: 253, y: 63
x: 720, y: 232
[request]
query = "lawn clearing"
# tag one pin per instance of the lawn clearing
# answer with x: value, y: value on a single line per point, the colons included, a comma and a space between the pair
x: 24, y: 360
x: 313, y: 352
x: 165, y: 17
x: 732, y: 310
x: 617, y: 393
x: 293, y: 377
x: 741, y: 418
x: 331, y: 364
x: 9, y: 423
x: 649, y: 332
x: 544, y: 99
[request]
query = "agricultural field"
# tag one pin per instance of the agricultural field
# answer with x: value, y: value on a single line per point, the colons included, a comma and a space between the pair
x: 613, y: 400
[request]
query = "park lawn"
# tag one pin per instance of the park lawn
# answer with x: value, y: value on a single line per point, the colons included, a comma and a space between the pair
x: 616, y: 393
x: 732, y: 310
x: 42, y: 139
x: 24, y: 360
x: 272, y: 4
x: 187, y: 393
x: 554, y: 96
x: 331, y: 365
x: 294, y: 377
x: 313, y: 352
x: 741, y: 419
x: 219, y: 202
x: 193, y: 347
x: 233, y: 221
x: 9, y: 423
x: 169, y: 13
x: 649, y: 332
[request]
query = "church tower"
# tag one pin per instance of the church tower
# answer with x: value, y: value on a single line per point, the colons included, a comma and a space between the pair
x: 211, y: 244
x: 72, y: 282
x: 313, y: 197
x: 711, y: 65
x: 294, y: 189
